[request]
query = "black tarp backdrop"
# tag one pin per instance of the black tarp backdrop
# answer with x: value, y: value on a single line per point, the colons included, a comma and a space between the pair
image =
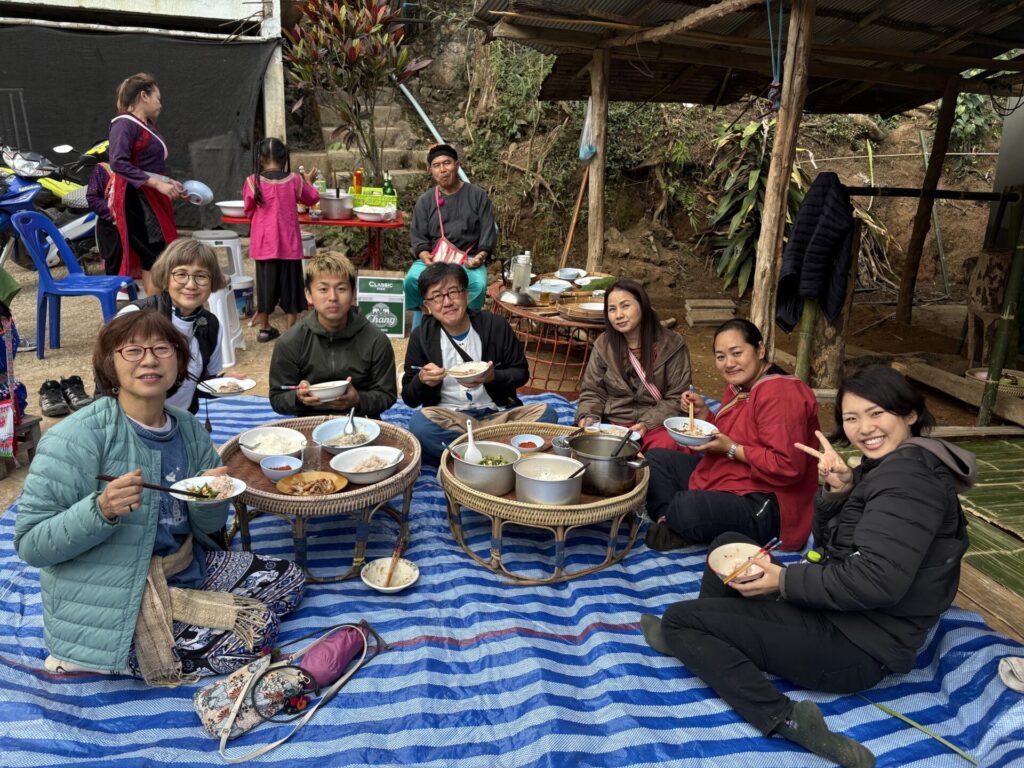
x: 210, y: 92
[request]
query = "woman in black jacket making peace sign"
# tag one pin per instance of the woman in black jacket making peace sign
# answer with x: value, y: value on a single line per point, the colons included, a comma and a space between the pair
x: 890, y: 535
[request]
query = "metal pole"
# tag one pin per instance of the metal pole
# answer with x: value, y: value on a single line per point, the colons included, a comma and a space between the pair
x: 1007, y: 320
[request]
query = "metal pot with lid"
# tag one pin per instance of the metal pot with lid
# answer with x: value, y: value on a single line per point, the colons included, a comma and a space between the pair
x: 607, y: 475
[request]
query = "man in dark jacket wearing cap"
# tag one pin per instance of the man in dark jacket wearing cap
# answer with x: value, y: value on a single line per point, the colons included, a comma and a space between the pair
x: 461, y: 213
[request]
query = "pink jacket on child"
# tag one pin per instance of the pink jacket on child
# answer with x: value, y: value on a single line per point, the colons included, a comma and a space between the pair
x: 275, y: 224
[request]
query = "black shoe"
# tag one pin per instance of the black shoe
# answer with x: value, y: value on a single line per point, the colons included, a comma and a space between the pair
x: 651, y: 626
x: 806, y: 726
x: 74, y: 392
x: 51, y: 399
x: 661, y: 538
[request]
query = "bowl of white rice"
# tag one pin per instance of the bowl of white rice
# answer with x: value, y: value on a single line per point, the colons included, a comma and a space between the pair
x: 261, y: 442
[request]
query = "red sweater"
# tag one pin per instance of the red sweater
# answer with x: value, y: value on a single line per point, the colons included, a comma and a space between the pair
x: 777, y: 412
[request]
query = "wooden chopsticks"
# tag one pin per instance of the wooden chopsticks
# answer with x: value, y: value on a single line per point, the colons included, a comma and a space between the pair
x: 770, y: 546
x: 152, y: 487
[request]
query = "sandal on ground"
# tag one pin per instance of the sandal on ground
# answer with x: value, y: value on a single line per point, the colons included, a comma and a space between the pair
x: 268, y: 334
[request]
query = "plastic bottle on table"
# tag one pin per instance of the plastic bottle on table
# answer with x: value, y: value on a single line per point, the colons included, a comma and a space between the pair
x: 357, y: 181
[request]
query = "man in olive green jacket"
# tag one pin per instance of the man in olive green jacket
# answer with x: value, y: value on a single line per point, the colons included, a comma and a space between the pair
x: 332, y: 343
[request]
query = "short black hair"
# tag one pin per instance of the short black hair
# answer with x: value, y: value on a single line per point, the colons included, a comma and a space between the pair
x: 750, y: 332
x: 889, y: 389
x: 439, y: 272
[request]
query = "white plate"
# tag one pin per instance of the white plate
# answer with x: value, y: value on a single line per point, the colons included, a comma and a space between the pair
x: 571, y: 273
x: 192, y: 483
x: 583, y: 282
x: 198, y: 193
x: 591, y: 306
x: 616, y: 431
x: 210, y: 386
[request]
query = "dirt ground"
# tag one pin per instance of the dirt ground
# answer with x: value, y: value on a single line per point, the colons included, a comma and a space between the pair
x: 81, y: 320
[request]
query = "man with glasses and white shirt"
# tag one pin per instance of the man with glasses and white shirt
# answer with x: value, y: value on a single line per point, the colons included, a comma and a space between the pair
x: 185, y: 275
x: 452, y: 334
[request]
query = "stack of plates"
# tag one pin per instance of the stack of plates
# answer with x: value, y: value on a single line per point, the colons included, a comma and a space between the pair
x: 587, y: 311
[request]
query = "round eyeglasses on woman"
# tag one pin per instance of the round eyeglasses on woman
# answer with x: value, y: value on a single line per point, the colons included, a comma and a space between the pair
x: 181, y: 277
x: 135, y: 352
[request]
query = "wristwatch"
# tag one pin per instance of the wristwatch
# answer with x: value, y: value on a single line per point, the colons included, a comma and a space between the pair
x: 731, y: 453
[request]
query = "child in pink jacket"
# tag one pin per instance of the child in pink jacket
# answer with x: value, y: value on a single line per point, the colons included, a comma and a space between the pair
x: 272, y: 195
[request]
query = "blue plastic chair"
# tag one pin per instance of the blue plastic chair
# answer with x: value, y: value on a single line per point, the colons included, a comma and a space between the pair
x: 35, y: 230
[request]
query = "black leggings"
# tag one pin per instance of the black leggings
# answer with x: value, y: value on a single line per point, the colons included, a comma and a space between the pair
x: 700, y: 516
x: 729, y: 641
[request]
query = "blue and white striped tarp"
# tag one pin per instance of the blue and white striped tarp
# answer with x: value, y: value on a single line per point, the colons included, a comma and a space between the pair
x: 485, y: 675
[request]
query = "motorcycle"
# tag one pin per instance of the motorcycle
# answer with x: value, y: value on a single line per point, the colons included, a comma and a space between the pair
x: 30, y: 181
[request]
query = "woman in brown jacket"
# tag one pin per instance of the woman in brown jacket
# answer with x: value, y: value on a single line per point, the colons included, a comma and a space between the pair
x: 637, y: 369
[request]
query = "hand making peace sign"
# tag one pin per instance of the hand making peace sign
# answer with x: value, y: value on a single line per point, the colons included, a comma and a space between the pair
x: 831, y: 467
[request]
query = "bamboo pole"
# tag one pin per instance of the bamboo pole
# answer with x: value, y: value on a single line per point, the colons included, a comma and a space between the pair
x: 922, y: 219
x: 599, y: 69
x: 806, y: 342
x: 935, y: 221
x: 830, y: 338
x: 1007, y: 320
x: 575, y: 218
x: 769, y: 243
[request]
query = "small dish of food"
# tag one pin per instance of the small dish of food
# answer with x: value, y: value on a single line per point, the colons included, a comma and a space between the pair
x: 258, y: 443
x: 375, y: 574
x: 312, y: 484
x: 368, y: 465
x: 329, y: 390
x: 332, y: 438
x: 679, y: 429
x: 214, y: 488
x: 279, y: 467
x: 226, y: 386
x: 727, y: 558
x: 528, y: 443
x: 468, y: 371
x: 571, y: 273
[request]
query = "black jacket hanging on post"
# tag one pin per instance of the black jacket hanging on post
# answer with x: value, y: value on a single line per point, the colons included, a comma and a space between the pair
x: 817, y: 257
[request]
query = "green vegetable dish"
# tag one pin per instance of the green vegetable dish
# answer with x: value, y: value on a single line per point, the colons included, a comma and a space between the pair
x: 493, y: 461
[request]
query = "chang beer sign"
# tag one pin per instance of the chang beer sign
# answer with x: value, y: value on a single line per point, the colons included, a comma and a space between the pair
x: 382, y: 301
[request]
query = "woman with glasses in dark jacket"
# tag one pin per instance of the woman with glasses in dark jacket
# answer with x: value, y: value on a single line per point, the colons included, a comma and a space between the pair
x: 185, y: 275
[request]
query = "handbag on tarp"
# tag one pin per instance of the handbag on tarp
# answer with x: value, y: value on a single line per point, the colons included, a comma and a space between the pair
x: 258, y: 691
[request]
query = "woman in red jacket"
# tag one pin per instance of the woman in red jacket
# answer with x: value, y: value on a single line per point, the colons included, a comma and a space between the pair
x: 750, y: 478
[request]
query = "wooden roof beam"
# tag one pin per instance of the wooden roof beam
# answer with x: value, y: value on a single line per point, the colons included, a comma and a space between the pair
x: 690, y: 21
x: 584, y: 43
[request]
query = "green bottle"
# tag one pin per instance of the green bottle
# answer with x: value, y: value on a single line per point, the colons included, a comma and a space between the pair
x: 389, y: 185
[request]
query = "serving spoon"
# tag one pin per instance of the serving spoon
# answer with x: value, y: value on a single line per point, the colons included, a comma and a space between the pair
x: 472, y: 454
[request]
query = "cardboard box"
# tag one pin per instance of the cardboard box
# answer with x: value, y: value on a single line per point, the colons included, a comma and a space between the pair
x: 380, y: 296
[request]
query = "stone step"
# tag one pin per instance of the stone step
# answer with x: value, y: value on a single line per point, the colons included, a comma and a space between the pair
x: 398, y: 136
x: 403, y: 177
x: 350, y: 159
x: 382, y: 114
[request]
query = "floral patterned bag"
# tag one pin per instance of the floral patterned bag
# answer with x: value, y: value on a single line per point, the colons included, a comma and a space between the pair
x: 256, y: 692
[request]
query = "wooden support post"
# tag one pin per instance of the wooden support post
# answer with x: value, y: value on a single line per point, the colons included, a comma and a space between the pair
x: 273, y: 78
x: 830, y: 348
x: 773, y: 223
x: 1007, y: 320
x: 922, y: 219
x: 599, y: 68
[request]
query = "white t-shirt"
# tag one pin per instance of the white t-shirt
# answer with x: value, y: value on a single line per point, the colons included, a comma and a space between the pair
x: 453, y: 394
x: 183, y: 397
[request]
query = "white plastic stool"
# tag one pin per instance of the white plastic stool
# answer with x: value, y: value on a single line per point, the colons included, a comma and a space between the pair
x: 222, y: 240
x: 223, y: 306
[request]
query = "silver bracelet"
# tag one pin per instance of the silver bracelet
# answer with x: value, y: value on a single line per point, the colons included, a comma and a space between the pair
x: 731, y: 453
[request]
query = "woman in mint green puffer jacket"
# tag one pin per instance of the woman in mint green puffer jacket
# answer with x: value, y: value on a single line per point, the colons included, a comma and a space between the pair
x: 93, y: 541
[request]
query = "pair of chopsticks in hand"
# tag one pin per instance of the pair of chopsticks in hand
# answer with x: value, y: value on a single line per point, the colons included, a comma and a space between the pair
x: 769, y: 547
x: 152, y: 487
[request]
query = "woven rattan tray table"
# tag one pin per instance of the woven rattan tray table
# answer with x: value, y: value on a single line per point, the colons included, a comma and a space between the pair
x: 503, y: 511
x: 360, y: 502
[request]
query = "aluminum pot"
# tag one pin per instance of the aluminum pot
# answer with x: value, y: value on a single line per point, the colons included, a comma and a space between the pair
x: 496, y: 481
x: 607, y: 476
x: 560, y: 446
x: 535, y: 486
x: 336, y: 205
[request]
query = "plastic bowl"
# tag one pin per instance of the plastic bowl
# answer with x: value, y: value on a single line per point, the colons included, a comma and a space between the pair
x: 232, y: 207
x: 335, y: 427
x: 273, y: 475
x: 470, y: 376
x: 518, y: 440
x: 677, y: 426
x: 253, y: 436
x: 373, y: 213
x: 727, y: 558
x: 345, y: 463
x: 198, y: 193
x: 328, y: 390
x: 376, y: 572
x: 570, y: 273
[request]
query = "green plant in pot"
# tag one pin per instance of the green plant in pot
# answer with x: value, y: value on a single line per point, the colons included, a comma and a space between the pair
x: 345, y: 55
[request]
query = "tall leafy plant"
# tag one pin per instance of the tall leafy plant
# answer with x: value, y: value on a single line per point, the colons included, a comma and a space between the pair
x: 738, y: 182
x: 344, y: 54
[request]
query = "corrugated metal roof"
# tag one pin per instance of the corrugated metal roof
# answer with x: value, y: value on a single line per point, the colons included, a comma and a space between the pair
x: 948, y: 27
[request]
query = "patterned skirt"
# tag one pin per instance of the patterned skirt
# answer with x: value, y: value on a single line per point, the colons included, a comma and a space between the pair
x: 276, y: 583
